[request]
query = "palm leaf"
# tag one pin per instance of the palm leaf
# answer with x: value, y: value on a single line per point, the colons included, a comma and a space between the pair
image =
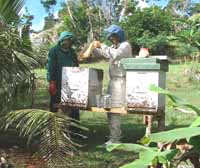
x: 15, y: 60
x: 9, y: 10
x: 55, y: 142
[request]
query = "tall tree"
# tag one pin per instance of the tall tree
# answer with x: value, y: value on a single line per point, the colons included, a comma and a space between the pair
x: 194, y: 9
x: 49, y: 20
x: 148, y: 27
x: 179, y: 7
x: 48, y: 5
x: 84, y: 18
x: 126, y: 7
x: 26, y: 21
x: 74, y: 14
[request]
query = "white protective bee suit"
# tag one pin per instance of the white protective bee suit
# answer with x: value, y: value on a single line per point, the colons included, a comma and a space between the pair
x: 116, y: 86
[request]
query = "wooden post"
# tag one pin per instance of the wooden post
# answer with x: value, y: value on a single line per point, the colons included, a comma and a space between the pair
x: 161, y: 120
x: 148, y: 120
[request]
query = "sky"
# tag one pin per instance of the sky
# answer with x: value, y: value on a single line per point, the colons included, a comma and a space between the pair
x: 35, y: 8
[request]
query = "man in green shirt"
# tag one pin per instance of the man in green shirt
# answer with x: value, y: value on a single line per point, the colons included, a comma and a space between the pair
x: 61, y: 55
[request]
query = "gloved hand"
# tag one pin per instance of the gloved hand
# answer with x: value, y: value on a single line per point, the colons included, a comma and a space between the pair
x: 52, y: 88
x: 87, y: 52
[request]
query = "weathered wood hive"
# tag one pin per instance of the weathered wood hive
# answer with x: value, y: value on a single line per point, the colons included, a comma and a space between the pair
x: 140, y: 74
x: 80, y: 86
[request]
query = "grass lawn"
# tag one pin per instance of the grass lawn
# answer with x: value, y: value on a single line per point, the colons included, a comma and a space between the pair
x: 90, y: 155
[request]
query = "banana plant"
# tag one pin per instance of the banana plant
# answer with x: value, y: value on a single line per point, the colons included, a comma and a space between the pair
x: 189, y: 31
x: 147, y: 155
x: 174, y: 145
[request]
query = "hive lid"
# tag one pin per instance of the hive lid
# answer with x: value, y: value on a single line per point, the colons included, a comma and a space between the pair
x: 152, y: 63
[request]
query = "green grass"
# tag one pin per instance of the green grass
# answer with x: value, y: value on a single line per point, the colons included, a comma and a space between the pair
x: 100, y: 65
x: 178, y: 83
x: 90, y: 156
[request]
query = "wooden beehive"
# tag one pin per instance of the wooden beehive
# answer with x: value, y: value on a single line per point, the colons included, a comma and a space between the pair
x: 81, y: 86
x: 140, y: 74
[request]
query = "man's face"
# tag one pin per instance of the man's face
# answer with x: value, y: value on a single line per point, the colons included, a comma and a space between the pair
x: 114, y: 39
x: 66, y: 43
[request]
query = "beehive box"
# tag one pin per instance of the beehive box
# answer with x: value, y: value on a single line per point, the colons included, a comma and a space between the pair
x: 81, y: 86
x: 140, y: 74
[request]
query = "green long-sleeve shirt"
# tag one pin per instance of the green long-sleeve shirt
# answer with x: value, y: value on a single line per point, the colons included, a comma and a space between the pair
x: 58, y: 58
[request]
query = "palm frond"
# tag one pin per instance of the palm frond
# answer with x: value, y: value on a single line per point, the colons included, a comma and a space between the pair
x: 55, y: 142
x: 13, y: 70
x: 9, y: 10
x: 16, y: 61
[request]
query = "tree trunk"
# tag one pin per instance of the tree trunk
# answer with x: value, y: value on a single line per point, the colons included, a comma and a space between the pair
x: 123, y: 11
x: 71, y: 15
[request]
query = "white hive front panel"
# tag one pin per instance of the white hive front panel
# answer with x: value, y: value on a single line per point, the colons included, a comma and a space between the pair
x: 138, y: 95
x: 80, y: 86
x: 75, y: 84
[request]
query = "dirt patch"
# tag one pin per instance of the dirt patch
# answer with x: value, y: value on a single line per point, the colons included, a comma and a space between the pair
x: 17, y: 157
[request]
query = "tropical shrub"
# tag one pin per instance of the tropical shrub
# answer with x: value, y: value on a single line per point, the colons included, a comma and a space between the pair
x: 148, y: 27
x: 174, y: 146
x: 187, y: 37
x: 15, y: 59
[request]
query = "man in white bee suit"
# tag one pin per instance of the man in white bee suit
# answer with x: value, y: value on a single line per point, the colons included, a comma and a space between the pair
x: 118, y: 50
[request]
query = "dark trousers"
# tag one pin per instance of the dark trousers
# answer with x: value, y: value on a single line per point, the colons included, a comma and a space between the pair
x: 71, y: 112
